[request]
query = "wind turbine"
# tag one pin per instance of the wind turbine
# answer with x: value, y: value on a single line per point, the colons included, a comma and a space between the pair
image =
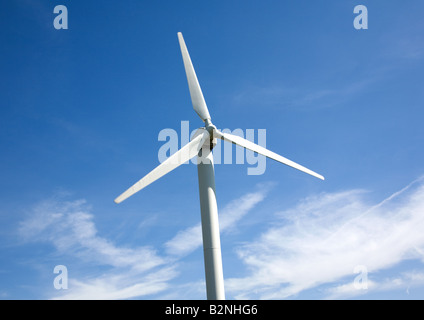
x: 201, y: 145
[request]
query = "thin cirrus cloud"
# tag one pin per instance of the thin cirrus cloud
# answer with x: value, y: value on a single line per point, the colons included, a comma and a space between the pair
x: 325, y: 237
x: 190, y: 239
x: 301, y: 98
x: 69, y: 226
x: 403, y: 281
x: 118, y: 285
x: 125, y: 272
x: 316, y: 243
x: 130, y: 272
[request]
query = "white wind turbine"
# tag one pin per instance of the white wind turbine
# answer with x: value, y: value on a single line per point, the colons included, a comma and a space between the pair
x: 201, y: 146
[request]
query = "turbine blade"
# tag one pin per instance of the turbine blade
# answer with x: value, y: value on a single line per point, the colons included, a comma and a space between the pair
x: 196, y: 94
x: 187, y: 152
x: 261, y: 150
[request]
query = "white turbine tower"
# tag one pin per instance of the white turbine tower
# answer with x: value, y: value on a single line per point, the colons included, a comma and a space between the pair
x: 201, y: 146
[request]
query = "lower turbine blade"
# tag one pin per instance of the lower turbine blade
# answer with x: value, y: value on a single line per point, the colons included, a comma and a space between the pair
x: 261, y: 150
x: 183, y: 155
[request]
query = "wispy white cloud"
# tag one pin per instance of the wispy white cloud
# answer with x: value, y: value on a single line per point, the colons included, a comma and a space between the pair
x: 318, y: 242
x: 303, y: 98
x: 404, y: 281
x: 324, y: 237
x: 118, y: 285
x: 126, y: 272
x: 190, y: 239
x: 69, y: 226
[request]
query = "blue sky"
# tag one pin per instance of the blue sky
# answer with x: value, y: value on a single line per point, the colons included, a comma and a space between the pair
x: 82, y: 109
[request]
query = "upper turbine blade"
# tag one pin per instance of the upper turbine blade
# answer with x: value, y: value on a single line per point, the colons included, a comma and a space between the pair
x: 196, y: 94
x: 187, y: 152
x: 261, y: 150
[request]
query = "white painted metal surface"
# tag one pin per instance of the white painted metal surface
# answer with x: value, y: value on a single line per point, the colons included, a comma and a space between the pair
x: 210, y: 228
x: 265, y: 152
x: 196, y: 94
x: 187, y: 152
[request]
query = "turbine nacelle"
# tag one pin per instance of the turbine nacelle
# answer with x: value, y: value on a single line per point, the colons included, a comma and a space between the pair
x: 209, y: 142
